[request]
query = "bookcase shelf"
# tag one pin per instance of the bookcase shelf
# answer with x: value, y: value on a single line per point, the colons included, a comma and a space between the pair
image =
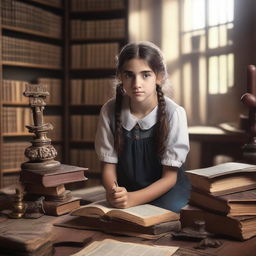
x: 48, y: 3
x: 29, y: 31
x: 101, y: 11
x: 17, y: 134
x: 11, y: 170
x: 31, y: 52
x: 96, y: 40
x: 29, y: 65
x: 100, y: 32
x: 20, y: 39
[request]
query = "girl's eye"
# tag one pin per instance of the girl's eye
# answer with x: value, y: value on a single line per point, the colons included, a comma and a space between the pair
x: 145, y: 75
x: 128, y: 75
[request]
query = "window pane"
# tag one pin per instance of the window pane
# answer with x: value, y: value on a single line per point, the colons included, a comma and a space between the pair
x: 193, y: 15
x: 220, y: 11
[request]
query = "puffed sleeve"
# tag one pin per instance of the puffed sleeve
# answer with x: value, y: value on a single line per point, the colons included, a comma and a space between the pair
x: 104, y: 140
x: 177, y: 146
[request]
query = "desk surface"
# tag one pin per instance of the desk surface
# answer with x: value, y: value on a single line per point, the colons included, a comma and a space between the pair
x: 216, y: 134
x: 62, y: 234
x: 228, y: 247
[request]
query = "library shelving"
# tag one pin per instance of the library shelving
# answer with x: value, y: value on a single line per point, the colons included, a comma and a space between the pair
x: 98, y: 29
x: 31, y: 52
x: 70, y: 45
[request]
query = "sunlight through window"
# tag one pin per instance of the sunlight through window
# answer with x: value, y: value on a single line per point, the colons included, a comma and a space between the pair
x: 207, y: 31
x: 221, y: 73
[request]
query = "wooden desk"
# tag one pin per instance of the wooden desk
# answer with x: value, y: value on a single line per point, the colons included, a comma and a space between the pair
x: 61, y: 234
x: 216, y: 141
x: 228, y: 247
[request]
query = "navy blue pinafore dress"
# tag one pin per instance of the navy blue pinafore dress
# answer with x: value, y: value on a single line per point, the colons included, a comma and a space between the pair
x: 139, y: 166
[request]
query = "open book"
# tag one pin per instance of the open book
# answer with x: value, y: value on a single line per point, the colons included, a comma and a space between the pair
x: 224, y: 178
x: 144, y: 215
x: 114, y: 247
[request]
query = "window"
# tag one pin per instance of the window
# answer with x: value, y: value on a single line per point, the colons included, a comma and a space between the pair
x: 206, y: 43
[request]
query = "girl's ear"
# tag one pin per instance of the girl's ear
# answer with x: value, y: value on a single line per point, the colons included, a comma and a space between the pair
x: 159, y: 79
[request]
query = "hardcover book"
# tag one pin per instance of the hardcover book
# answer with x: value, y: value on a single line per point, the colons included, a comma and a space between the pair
x: 118, y: 226
x: 238, y: 227
x: 63, y: 175
x: 144, y: 215
x: 56, y: 208
x: 236, y: 204
x: 224, y: 178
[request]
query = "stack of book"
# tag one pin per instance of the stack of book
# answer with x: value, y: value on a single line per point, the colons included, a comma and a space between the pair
x: 146, y: 221
x: 224, y: 196
x: 51, y: 185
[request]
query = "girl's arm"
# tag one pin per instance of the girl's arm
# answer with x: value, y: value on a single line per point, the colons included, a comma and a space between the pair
x: 109, y: 180
x: 124, y: 199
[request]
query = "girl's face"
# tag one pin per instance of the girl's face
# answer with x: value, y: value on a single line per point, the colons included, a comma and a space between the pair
x: 139, y: 81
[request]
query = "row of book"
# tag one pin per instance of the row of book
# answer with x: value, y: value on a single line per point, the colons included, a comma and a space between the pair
x: 83, y: 127
x: 26, y: 51
x: 100, y: 55
x: 86, y: 158
x: 224, y: 196
x: 54, y: 87
x: 12, y: 91
x: 91, y: 91
x: 87, y: 5
x: 15, y: 119
x: 13, y: 154
x: 10, y: 179
x: 23, y: 15
x: 94, y: 29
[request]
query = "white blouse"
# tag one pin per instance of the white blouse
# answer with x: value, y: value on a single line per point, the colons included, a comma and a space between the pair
x: 177, y: 144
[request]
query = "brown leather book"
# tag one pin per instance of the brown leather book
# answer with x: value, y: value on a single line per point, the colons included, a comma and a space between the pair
x: 56, y: 208
x: 117, y: 226
x: 25, y: 236
x: 224, y: 178
x: 238, y: 227
x: 40, y: 190
x: 240, y: 203
x: 144, y: 215
x: 63, y: 175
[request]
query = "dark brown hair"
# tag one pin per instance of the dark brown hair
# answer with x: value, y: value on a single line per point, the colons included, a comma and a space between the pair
x: 152, y: 55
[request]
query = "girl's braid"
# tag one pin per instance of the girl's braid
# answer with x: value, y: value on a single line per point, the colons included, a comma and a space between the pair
x: 162, y: 128
x: 118, y: 140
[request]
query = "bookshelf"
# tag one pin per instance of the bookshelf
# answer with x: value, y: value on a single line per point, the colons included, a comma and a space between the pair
x: 71, y: 46
x: 31, y: 51
x: 98, y: 29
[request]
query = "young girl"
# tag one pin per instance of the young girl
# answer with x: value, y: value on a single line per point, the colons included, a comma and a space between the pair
x: 142, y: 138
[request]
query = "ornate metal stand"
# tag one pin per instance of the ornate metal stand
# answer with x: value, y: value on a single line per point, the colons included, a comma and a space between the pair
x: 41, y: 154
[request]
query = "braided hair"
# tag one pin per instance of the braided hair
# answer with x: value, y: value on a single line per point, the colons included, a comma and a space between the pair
x: 150, y: 53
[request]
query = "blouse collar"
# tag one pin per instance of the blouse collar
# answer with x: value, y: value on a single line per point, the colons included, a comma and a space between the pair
x: 129, y: 120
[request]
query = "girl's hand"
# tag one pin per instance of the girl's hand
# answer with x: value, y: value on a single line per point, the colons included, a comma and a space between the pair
x: 119, y: 197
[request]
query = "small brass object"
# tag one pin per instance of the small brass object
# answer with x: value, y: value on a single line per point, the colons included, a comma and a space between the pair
x: 18, y: 208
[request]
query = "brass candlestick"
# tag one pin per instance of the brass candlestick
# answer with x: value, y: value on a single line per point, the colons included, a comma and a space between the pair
x: 18, y: 207
x: 41, y: 154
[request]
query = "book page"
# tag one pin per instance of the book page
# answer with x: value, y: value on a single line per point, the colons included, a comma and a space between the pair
x: 109, y: 247
x: 145, y: 210
x: 223, y: 169
x: 96, y: 208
